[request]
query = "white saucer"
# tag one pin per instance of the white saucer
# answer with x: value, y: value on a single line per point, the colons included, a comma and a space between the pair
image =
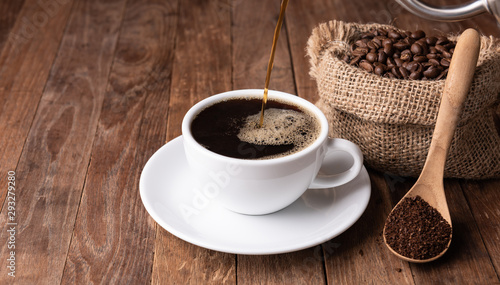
x: 168, y: 192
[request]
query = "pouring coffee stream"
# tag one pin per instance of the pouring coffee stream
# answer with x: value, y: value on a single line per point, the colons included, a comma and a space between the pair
x: 429, y: 185
x: 284, y: 3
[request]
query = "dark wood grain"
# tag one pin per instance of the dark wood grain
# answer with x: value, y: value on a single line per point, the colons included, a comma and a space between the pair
x: 359, y: 255
x: 9, y: 11
x: 483, y: 197
x: 55, y: 158
x: 253, y: 25
x: 131, y: 127
x: 24, y: 69
x: 201, y: 68
x: 299, y: 27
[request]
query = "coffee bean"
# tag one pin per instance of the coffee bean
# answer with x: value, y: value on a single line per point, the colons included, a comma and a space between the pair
x: 382, y: 56
x: 446, y: 54
x: 434, y: 62
x: 390, y: 75
x: 393, y: 35
x: 416, y: 49
x: 406, y: 55
x: 401, y: 45
x: 445, y: 62
x: 388, y: 49
x: 426, y: 64
x: 424, y: 45
x: 441, y: 40
x: 442, y: 75
x: 367, y: 66
x: 420, y: 58
x: 390, y: 62
x: 449, y: 46
x: 355, y: 60
x: 432, y: 72
x: 382, y: 32
x: 398, y: 61
x: 431, y: 40
x: 371, y: 57
x: 361, y: 43
x: 402, y: 54
x: 415, y: 75
x: 417, y: 34
x: 404, y: 72
x: 440, y: 48
x: 360, y: 51
x: 413, y: 66
x: 432, y: 55
x: 372, y: 45
x: 379, y: 70
x: 396, y: 72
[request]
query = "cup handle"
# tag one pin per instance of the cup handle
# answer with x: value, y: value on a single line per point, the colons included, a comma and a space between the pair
x: 323, y: 180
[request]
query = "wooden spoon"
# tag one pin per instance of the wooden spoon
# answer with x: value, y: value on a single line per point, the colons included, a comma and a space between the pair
x: 429, y: 185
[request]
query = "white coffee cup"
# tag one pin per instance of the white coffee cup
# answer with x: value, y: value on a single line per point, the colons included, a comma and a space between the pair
x: 257, y: 187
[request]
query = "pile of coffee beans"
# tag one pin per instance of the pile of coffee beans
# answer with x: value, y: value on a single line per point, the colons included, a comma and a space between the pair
x: 402, y: 55
x: 417, y: 230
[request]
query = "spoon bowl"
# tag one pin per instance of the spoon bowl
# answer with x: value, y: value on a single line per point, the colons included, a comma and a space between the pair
x: 429, y: 185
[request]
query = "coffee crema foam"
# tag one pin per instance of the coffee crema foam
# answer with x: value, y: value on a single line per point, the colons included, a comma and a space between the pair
x: 281, y: 127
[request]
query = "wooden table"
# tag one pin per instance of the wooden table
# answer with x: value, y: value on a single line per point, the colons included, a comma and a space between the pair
x: 89, y: 90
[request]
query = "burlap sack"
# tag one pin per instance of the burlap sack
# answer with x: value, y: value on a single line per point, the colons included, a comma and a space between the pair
x: 392, y: 120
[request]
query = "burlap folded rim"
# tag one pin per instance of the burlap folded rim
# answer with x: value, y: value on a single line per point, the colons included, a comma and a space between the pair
x: 392, y: 120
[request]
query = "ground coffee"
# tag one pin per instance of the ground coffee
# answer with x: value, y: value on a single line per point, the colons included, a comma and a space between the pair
x: 416, y: 230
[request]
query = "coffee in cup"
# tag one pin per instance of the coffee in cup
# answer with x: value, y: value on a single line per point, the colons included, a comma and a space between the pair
x: 231, y: 128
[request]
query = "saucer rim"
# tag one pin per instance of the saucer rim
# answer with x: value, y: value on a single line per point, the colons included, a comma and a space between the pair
x: 285, y: 248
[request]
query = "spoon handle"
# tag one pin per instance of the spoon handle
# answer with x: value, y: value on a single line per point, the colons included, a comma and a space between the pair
x: 456, y: 88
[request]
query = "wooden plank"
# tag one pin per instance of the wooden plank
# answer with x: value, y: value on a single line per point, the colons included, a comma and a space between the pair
x: 359, y: 255
x: 54, y: 161
x: 301, y: 267
x: 201, y: 67
x: 25, y: 63
x: 132, y: 126
x: 299, y: 27
x: 483, y: 197
x: 9, y: 10
x: 253, y: 29
x: 252, y: 32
